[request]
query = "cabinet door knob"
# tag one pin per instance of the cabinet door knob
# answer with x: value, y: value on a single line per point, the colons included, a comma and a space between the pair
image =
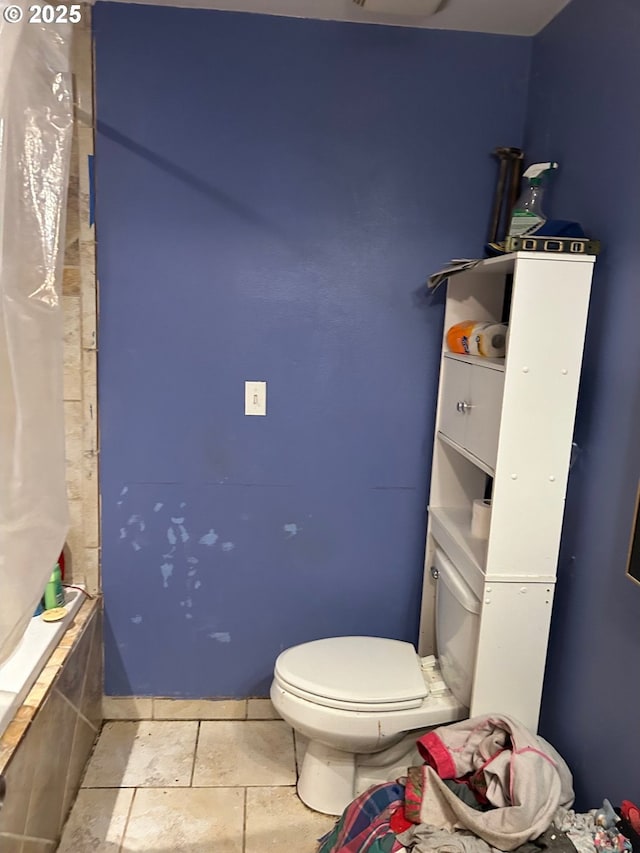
x: 463, y: 407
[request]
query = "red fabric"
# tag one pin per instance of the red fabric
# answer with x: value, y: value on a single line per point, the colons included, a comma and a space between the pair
x: 631, y: 813
x: 413, y: 796
x: 398, y: 822
x: 436, y: 755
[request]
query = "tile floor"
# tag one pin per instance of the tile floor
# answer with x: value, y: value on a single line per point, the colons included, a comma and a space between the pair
x: 193, y: 786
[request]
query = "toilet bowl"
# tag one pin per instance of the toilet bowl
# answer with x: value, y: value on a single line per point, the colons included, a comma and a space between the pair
x: 362, y: 702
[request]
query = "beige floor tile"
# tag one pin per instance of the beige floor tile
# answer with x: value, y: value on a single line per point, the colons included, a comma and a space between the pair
x: 127, y: 708
x: 143, y: 754
x: 97, y: 821
x: 199, y: 709
x: 194, y: 820
x: 261, y: 709
x: 32, y: 845
x: 244, y: 753
x: 277, y: 820
x: 10, y: 843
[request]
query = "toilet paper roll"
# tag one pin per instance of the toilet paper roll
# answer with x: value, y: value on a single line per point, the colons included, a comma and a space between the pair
x: 479, y: 339
x: 481, y: 519
x: 490, y: 341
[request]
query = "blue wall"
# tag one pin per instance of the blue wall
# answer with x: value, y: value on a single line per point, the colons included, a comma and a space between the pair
x: 583, y: 112
x: 271, y: 194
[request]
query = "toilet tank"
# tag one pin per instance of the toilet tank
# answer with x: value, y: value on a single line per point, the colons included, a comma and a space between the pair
x: 457, y: 625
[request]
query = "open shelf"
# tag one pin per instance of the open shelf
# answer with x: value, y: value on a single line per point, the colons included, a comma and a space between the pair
x: 467, y: 455
x: 451, y: 528
x: 492, y: 363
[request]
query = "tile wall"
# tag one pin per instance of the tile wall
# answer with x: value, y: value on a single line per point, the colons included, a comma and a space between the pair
x: 79, y: 294
x: 150, y: 708
x: 44, y: 750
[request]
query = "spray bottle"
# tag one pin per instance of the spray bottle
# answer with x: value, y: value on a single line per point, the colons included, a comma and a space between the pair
x: 527, y: 214
x: 54, y: 591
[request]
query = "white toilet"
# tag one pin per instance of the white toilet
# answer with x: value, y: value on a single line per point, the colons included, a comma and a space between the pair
x: 363, y: 701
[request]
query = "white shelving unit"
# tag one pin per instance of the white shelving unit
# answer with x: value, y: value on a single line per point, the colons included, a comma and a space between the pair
x: 513, y: 436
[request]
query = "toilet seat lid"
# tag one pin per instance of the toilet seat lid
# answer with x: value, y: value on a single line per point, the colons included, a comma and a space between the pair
x: 355, y: 670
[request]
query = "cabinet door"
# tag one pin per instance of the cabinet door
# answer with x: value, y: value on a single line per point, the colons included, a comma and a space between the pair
x: 486, y: 388
x: 455, y: 390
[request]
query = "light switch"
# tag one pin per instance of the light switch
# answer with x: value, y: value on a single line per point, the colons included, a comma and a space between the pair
x: 255, y: 398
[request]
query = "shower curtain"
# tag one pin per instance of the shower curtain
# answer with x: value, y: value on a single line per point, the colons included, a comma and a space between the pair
x: 36, y: 118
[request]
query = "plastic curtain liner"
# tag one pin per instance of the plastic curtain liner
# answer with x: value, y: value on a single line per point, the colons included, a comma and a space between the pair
x: 36, y: 124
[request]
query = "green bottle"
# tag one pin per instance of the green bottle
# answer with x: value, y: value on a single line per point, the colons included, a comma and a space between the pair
x: 527, y: 216
x: 54, y: 591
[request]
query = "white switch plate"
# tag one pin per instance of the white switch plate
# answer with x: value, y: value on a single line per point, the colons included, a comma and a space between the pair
x: 255, y: 398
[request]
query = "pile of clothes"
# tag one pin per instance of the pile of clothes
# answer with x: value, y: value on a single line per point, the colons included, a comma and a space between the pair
x: 486, y: 785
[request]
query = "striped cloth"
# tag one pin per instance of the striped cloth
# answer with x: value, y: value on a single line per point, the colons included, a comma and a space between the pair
x: 364, y: 825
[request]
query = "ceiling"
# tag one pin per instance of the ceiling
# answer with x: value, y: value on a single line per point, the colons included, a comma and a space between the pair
x: 510, y: 17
